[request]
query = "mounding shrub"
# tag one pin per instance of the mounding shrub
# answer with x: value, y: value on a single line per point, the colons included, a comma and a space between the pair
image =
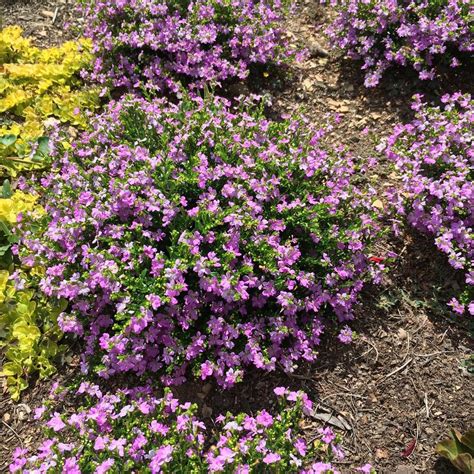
x: 158, y: 44
x: 196, y: 235
x: 412, y: 33
x: 434, y: 154
x: 132, y: 430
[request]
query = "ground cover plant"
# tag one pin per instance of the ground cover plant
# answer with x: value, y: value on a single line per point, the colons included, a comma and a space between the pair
x: 156, y: 45
x: 185, y: 239
x: 435, y: 156
x: 40, y: 88
x: 36, y: 86
x: 136, y: 431
x: 29, y: 332
x: 418, y: 34
x: 203, y: 236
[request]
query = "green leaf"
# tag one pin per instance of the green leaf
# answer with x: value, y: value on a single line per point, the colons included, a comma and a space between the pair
x: 4, y: 249
x: 11, y: 369
x: 6, y: 189
x: 42, y: 151
x: 459, y: 450
x: 8, y: 140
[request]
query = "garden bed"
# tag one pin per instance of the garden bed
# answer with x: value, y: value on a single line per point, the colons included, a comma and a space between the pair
x: 405, y: 377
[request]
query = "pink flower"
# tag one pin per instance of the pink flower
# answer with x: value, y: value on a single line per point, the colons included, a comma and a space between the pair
x: 300, y: 446
x: 328, y: 435
x: 100, y: 443
x: 39, y: 412
x: 158, y: 427
x: 56, y: 423
x: 264, y: 418
x: 162, y: 456
x: 105, y: 466
x: 271, y: 458
x: 279, y: 391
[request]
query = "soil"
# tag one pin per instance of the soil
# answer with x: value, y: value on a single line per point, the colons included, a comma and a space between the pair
x: 406, y: 376
x: 47, y: 22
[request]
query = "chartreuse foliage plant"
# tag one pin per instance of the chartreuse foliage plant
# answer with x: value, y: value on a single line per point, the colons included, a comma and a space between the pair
x: 204, y: 237
x: 39, y: 87
x: 29, y: 333
x: 418, y: 34
x: 434, y: 155
x: 133, y: 431
x: 160, y: 46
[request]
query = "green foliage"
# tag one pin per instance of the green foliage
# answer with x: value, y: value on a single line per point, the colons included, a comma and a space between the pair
x: 39, y: 88
x: 28, y: 322
x: 459, y: 449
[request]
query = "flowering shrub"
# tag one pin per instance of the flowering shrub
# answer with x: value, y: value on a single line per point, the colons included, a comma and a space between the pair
x: 404, y: 32
x: 157, y: 44
x: 435, y: 156
x: 194, y: 235
x: 135, y: 432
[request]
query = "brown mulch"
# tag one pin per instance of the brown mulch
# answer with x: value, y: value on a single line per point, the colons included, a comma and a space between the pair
x: 405, y: 377
x: 47, y: 22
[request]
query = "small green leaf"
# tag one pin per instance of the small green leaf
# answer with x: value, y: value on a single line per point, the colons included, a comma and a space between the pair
x: 6, y: 189
x: 458, y: 449
x: 43, y: 149
x: 8, y: 140
x: 4, y: 249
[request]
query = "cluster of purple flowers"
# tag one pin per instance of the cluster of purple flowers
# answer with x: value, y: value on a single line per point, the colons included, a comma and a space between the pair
x: 157, y: 45
x: 434, y: 154
x: 133, y: 431
x: 196, y: 235
x: 404, y: 32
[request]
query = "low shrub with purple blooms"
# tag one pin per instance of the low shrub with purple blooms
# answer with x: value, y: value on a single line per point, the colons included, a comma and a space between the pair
x: 404, y: 32
x: 158, y: 44
x: 435, y: 157
x: 195, y: 235
x: 133, y: 431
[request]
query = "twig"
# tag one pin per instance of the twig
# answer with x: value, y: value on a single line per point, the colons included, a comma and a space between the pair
x: 375, y: 349
x: 13, y: 431
x: 396, y: 370
x: 408, y: 346
x: 55, y: 15
x: 434, y: 354
x: 427, y: 406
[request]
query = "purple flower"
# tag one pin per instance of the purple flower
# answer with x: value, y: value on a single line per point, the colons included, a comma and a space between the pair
x: 271, y: 458
x: 433, y: 154
x: 280, y: 391
x: 104, y: 467
x: 345, y: 336
x: 328, y: 435
x: 162, y: 456
x: 56, y: 423
x: 244, y: 280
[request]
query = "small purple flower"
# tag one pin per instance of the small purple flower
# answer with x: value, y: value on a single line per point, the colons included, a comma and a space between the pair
x: 328, y: 435
x: 345, y: 336
x: 271, y: 458
x: 56, y: 423
x: 162, y: 456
